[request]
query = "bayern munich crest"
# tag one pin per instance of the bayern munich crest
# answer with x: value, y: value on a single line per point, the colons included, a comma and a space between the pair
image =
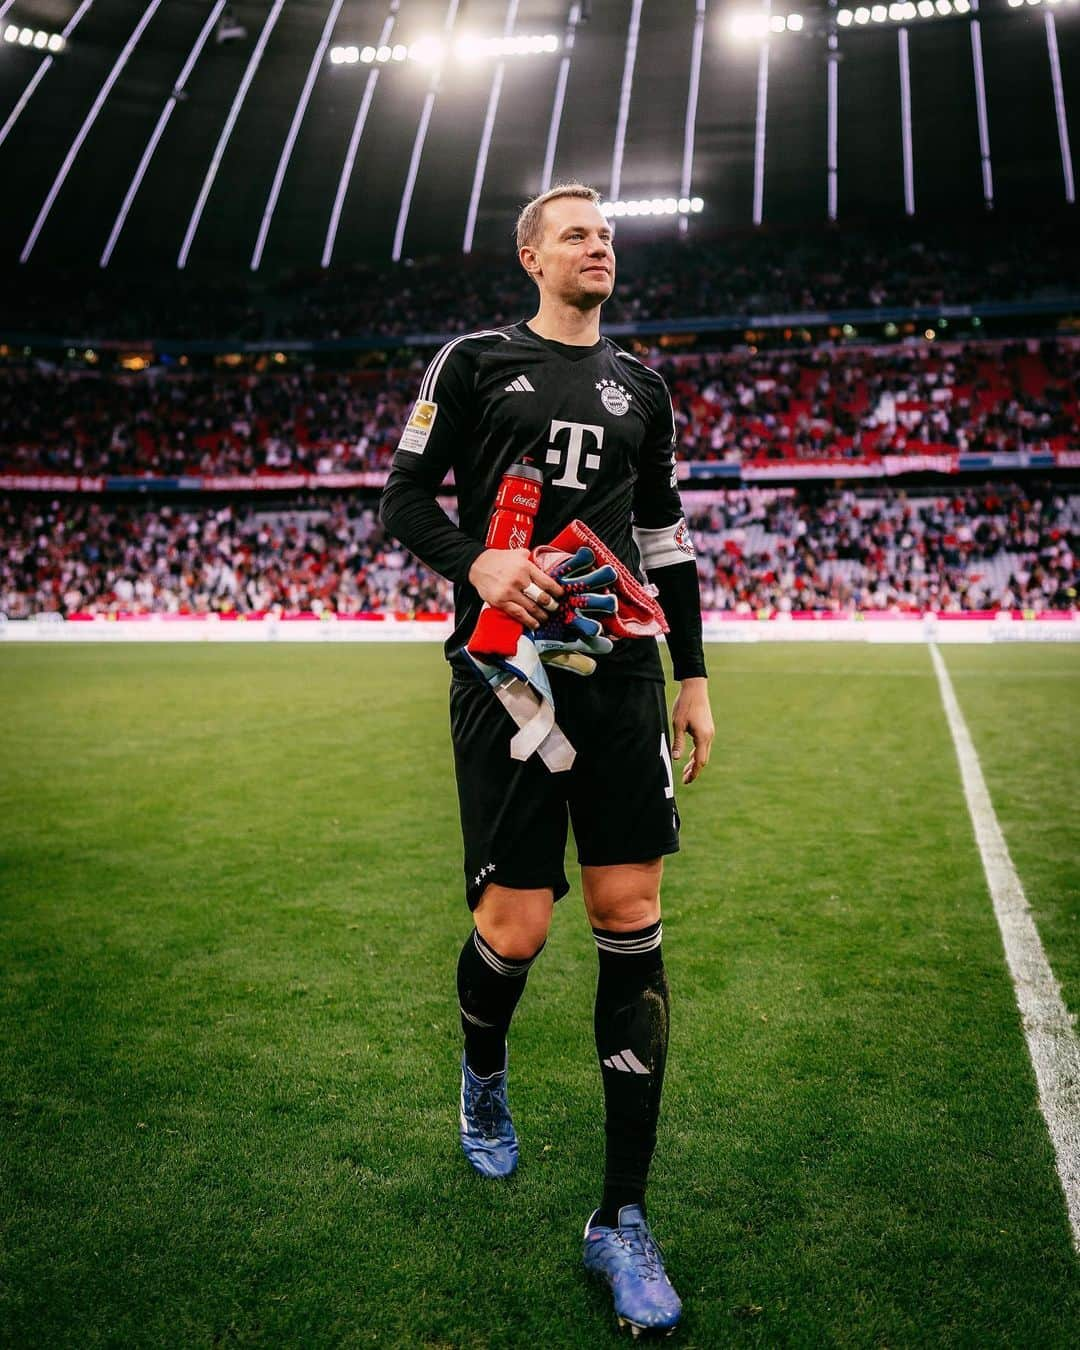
x: 614, y: 397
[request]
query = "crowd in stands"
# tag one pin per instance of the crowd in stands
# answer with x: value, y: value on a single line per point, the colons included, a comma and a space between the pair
x: 988, y: 548
x: 971, y: 549
x: 826, y: 403
x: 838, y: 403
x: 740, y: 274
x: 86, y: 557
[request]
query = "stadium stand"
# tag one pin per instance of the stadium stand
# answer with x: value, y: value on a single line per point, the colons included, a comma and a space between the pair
x: 981, y: 549
x: 287, y: 450
x: 855, y: 404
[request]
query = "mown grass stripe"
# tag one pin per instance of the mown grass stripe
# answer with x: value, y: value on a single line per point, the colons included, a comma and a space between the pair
x: 1048, y: 1029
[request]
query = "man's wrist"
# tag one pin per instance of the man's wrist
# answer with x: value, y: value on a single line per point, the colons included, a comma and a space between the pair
x: 477, y: 555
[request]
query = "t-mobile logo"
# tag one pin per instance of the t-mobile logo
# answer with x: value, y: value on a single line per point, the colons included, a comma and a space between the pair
x: 574, y: 447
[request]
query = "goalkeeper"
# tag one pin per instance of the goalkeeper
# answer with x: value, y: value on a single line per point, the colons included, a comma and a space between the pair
x: 598, y: 426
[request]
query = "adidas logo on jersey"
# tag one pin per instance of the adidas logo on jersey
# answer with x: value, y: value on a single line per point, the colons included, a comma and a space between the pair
x: 520, y: 386
x: 625, y: 1061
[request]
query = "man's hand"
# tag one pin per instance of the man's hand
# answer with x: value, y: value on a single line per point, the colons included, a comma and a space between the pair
x: 692, y: 714
x: 501, y: 575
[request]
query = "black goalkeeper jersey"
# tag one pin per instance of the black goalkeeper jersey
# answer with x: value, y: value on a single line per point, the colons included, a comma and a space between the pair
x: 597, y: 422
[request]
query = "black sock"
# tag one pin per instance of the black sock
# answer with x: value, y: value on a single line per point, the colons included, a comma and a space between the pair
x: 631, y: 1040
x: 489, y: 986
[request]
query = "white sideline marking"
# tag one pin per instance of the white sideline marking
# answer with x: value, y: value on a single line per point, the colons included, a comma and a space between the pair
x: 1048, y: 1029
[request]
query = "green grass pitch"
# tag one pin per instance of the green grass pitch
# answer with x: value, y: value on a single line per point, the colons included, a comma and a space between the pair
x: 230, y: 907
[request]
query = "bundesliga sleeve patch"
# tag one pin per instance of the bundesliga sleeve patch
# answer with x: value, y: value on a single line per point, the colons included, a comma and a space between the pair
x: 418, y: 427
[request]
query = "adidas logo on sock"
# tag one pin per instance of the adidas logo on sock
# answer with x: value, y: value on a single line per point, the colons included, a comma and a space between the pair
x: 520, y: 386
x: 625, y: 1061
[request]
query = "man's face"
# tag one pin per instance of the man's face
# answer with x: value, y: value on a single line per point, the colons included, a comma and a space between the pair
x: 574, y: 261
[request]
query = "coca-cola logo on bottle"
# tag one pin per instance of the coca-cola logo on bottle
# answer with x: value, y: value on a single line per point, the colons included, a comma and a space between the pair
x: 529, y: 503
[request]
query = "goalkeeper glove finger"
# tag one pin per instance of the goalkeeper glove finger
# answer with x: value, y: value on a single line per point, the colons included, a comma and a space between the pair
x: 575, y: 662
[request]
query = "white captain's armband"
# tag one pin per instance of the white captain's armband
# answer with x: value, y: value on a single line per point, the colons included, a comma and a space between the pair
x: 665, y: 546
x: 418, y: 427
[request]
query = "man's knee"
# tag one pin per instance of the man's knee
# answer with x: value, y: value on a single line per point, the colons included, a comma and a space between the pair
x: 623, y: 898
x: 515, y: 923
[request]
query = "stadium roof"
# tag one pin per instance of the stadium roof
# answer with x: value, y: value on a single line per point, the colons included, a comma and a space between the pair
x: 208, y: 196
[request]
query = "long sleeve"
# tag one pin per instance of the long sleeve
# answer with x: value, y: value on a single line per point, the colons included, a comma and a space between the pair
x: 441, y: 421
x: 663, y: 540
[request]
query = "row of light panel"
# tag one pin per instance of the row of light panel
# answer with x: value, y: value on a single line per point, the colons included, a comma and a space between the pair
x: 654, y: 206
x: 349, y: 56
x: 760, y: 25
x: 27, y: 37
x: 902, y: 13
x: 430, y: 51
x: 751, y: 25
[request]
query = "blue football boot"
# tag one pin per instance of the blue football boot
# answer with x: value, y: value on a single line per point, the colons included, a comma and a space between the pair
x: 487, y: 1132
x: 628, y: 1258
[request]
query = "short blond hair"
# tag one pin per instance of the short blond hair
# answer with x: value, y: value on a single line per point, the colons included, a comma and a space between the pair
x: 530, y: 223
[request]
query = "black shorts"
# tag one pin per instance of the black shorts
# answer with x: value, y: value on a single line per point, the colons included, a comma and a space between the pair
x: 619, y: 794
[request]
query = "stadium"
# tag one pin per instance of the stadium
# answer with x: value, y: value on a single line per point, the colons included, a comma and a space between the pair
x: 302, y: 382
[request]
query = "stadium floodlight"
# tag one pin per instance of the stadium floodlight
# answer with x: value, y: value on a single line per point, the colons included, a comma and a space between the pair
x: 26, y: 36
x: 56, y: 42
x: 11, y: 33
x: 400, y: 52
x: 904, y: 11
x: 427, y: 51
x: 750, y: 25
x: 777, y: 23
x: 337, y: 55
x: 42, y: 70
x: 367, y: 55
x: 654, y: 206
x: 41, y: 40
x: 795, y: 23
